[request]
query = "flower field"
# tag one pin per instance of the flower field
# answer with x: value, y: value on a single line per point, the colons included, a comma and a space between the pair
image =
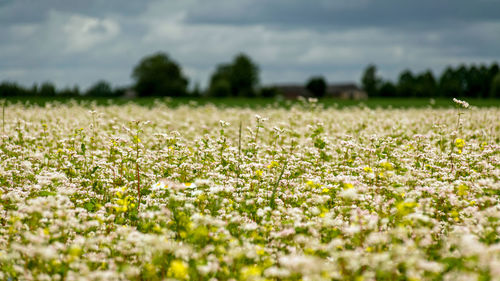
x: 205, y: 193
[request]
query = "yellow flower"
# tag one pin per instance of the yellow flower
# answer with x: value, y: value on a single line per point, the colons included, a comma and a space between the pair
x: 462, y: 190
x: 272, y: 165
x: 178, y: 269
x: 459, y: 143
x: 348, y: 186
x: 368, y: 169
x: 260, y: 251
x: 405, y: 208
x: 250, y: 272
x: 258, y: 173
x: 386, y: 165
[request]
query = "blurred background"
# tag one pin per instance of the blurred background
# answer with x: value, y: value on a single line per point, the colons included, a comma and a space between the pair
x: 344, y: 49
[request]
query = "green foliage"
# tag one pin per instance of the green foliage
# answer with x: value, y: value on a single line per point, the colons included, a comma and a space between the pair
x: 242, y: 76
x: 269, y: 92
x: 47, y: 89
x: 158, y: 75
x: 388, y: 90
x: 495, y: 87
x: 220, y: 85
x: 370, y: 81
x: 464, y: 81
x: 317, y: 86
x: 100, y: 89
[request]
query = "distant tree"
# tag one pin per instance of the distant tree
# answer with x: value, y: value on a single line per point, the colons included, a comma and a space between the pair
x: 220, y: 82
x: 69, y: 92
x: 34, y: 90
x: 406, y: 84
x: 47, y: 89
x: 484, y: 80
x: 269, y: 92
x: 473, y: 82
x: 370, y: 81
x: 495, y: 87
x: 493, y: 70
x: 100, y: 89
x: 12, y: 89
x: 388, y: 90
x: 119, y: 91
x: 220, y: 88
x: 317, y: 86
x: 425, y: 85
x: 158, y: 75
x: 450, y: 84
x: 196, y: 92
x: 242, y: 76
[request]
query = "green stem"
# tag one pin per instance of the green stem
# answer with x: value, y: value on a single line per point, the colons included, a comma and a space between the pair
x: 275, y: 188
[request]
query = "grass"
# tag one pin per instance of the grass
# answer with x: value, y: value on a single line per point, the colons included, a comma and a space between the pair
x: 262, y: 102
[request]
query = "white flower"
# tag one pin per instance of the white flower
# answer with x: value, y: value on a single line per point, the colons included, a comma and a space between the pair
x: 160, y: 185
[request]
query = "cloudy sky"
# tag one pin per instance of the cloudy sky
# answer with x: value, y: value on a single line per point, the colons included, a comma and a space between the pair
x: 79, y: 42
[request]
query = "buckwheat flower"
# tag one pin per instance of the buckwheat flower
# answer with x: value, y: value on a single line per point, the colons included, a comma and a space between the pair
x: 276, y: 272
x: 160, y: 185
x: 190, y: 185
x: 349, y: 193
x: 462, y: 103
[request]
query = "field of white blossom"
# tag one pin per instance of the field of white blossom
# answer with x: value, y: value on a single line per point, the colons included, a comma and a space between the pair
x: 205, y: 193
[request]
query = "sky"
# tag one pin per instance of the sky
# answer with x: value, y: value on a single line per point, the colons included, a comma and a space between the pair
x: 74, y: 42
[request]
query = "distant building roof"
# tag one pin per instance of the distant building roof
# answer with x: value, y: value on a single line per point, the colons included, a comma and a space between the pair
x: 341, y: 90
x: 338, y: 88
x: 292, y: 91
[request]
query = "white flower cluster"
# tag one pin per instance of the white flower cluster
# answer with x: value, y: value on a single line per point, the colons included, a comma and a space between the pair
x: 302, y: 194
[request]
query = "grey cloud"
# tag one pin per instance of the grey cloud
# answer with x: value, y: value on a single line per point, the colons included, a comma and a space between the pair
x: 290, y: 40
x: 343, y: 13
x: 32, y: 11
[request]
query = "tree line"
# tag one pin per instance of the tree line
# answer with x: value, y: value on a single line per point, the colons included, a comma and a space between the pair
x: 462, y: 82
x: 157, y: 75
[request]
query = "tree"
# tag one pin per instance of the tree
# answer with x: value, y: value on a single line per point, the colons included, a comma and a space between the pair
x: 158, y: 75
x: 406, y: 84
x: 221, y: 89
x: 425, y: 85
x: 473, y: 83
x: 495, y: 87
x: 12, y: 89
x: 69, y: 92
x: 220, y: 82
x: 269, y: 92
x: 450, y: 84
x: 47, y: 90
x: 370, y: 81
x: 100, y: 89
x: 242, y: 76
x: 388, y: 90
x: 317, y: 86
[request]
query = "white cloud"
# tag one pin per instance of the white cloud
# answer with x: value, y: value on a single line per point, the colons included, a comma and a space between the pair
x: 82, y: 32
